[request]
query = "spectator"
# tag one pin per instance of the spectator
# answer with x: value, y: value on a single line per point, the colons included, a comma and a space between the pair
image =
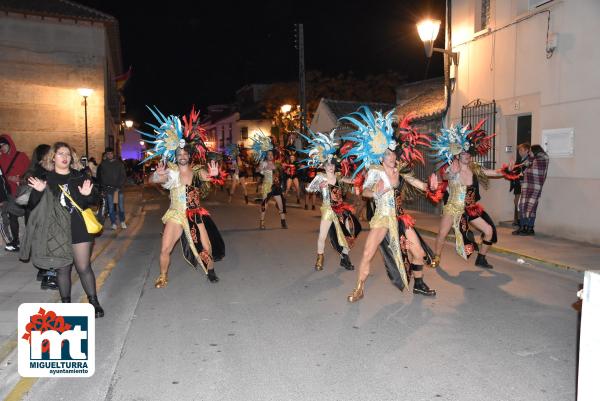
x: 93, y: 166
x: 515, y: 185
x: 111, y: 175
x: 47, y: 277
x: 56, y: 220
x: 531, y: 188
x: 13, y: 164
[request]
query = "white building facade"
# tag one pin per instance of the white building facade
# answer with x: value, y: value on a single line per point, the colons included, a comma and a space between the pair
x: 538, y: 61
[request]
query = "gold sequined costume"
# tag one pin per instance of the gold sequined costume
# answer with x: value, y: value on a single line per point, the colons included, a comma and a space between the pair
x: 385, y: 216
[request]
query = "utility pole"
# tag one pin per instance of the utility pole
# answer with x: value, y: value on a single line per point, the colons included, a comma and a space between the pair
x: 302, y: 78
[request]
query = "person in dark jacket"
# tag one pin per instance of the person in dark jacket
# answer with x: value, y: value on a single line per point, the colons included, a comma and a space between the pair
x: 13, y: 164
x: 47, y: 277
x: 62, y: 176
x: 111, y: 176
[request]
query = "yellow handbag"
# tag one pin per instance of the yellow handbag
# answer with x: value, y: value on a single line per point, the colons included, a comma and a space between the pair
x: 92, y: 224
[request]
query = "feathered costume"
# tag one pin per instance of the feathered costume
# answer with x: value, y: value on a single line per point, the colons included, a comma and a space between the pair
x: 373, y: 136
x: 272, y: 184
x: 185, y: 208
x: 345, y: 226
x: 461, y: 201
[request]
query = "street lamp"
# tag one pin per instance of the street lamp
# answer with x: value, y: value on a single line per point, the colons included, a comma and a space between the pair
x: 428, y: 31
x: 286, y: 108
x: 85, y: 92
x: 128, y: 123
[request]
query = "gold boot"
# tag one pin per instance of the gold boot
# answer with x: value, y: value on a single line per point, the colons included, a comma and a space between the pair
x: 358, y: 293
x: 435, y: 262
x: 319, y: 262
x: 161, y: 281
x: 262, y: 225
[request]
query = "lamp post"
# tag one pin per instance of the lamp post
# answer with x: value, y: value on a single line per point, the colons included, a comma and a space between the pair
x: 85, y: 92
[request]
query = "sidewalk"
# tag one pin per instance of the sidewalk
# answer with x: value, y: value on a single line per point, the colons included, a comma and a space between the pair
x: 554, y: 251
x: 18, y: 282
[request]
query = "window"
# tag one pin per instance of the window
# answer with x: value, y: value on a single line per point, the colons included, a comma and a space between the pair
x: 482, y: 15
x: 244, y: 133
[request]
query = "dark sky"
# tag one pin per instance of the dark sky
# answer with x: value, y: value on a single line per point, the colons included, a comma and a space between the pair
x: 201, y: 53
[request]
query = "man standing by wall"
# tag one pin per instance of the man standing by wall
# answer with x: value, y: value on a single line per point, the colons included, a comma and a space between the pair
x: 112, y: 177
x: 13, y: 164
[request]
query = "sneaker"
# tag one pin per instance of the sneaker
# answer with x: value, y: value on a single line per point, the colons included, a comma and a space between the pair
x: 113, y: 227
x: 12, y: 247
x: 123, y: 225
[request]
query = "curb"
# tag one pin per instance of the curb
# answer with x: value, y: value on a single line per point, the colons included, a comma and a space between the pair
x: 505, y: 251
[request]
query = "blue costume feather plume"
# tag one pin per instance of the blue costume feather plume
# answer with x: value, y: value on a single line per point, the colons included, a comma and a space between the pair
x: 167, y: 136
x: 320, y: 148
x: 450, y: 142
x: 374, y: 134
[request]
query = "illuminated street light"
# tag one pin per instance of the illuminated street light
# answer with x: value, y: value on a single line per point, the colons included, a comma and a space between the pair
x: 128, y: 123
x: 428, y: 31
x: 286, y: 108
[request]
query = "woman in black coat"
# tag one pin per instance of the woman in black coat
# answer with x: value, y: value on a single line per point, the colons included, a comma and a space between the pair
x: 62, y: 174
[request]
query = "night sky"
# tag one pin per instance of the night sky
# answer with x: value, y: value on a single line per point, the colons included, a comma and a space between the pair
x: 201, y: 54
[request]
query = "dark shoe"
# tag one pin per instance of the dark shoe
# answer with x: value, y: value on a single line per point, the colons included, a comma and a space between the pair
x: 421, y: 288
x: 529, y: 231
x: 518, y: 231
x: 298, y: 201
x: 97, y: 308
x: 305, y: 207
x: 66, y: 300
x: 212, y: 276
x: 283, y: 223
x: 40, y: 274
x: 49, y: 283
x: 481, y: 261
x: 246, y: 199
x: 345, y: 262
x: 313, y: 207
x: 523, y: 230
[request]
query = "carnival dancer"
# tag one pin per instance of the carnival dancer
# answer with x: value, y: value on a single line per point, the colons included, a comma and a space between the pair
x: 292, y: 176
x: 454, y: 148
x: 181, y: 148
x: 337, y: 219
x: 237, y: 171
x: 271, y: 182
x: 375, y: 149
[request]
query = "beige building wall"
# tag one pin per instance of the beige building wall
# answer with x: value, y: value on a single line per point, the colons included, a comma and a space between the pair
x: 42, y: 64
x: 509, y: 64
x: 323, y: 120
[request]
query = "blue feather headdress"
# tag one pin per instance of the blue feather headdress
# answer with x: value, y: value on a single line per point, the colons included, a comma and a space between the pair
x: 373, y: 136
x: 449, y: 143
x: 232, y: 150
x: 167, y: 137
x: 320, y: 148
x: 261, y: 144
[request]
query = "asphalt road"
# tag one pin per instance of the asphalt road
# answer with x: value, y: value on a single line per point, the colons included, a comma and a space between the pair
x: 275, y: 329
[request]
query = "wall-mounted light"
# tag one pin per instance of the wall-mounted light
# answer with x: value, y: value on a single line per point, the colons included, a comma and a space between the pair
x: 428, y: 31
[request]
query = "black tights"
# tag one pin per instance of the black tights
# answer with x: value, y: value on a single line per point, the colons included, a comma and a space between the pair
x: 83, y: 265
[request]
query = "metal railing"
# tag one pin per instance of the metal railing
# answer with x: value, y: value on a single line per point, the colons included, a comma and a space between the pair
x: 474, y: 112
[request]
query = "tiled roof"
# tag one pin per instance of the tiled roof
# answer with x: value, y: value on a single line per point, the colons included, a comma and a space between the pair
x: 340, y: 108
x: 55, y: 8
x: 425, y: 98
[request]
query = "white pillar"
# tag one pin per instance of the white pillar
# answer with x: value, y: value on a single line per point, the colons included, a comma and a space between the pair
x: 589, y: 340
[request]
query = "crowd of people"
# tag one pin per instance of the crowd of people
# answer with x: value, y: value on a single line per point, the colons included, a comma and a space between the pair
x: 370, y: 169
